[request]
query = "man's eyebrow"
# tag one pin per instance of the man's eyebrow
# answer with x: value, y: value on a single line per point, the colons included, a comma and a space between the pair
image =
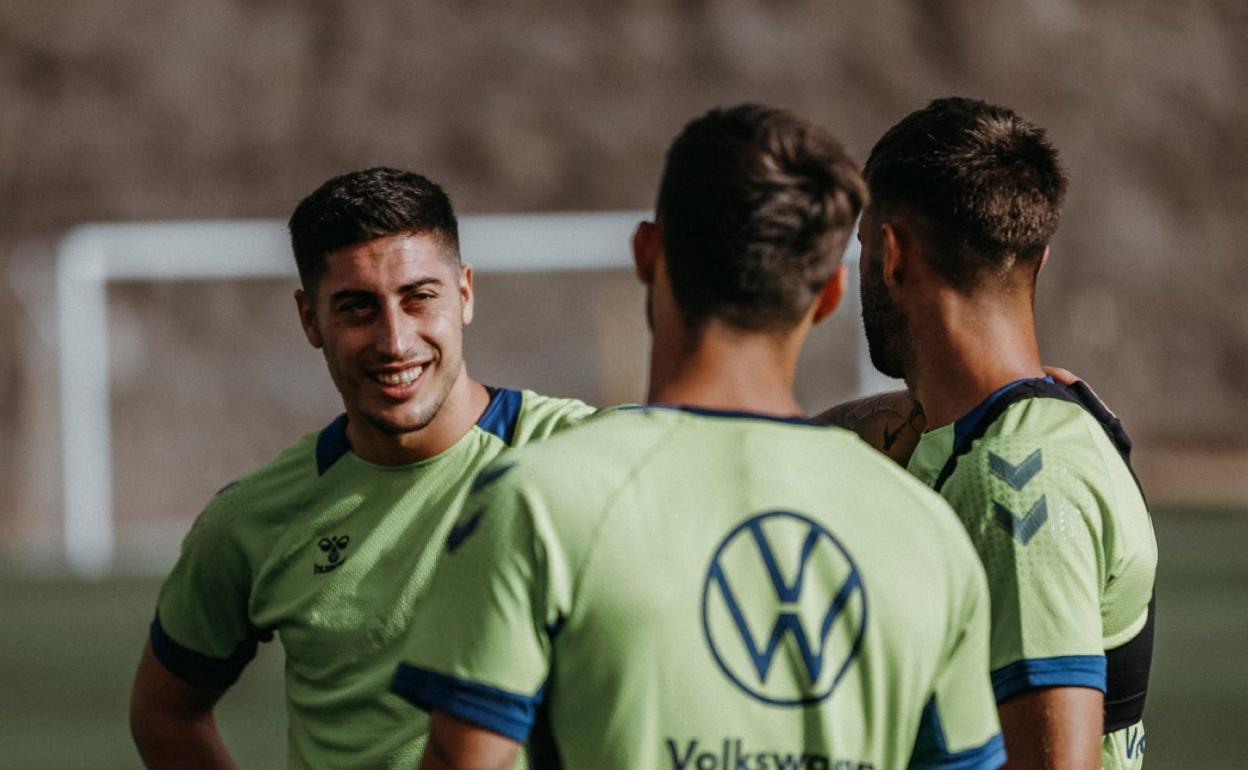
x: 350, y: 293
x: 428, y: 280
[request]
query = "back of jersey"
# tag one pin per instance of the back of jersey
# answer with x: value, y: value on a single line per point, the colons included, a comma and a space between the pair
x: 693, y: 589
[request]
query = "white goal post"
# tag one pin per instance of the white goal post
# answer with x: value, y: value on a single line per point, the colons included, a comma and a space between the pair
x: 91, y: 256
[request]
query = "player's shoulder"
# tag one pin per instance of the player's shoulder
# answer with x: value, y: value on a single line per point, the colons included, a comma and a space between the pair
x: 599, y: 437
x: 1033, y: 434
x: 588, y: 456
x: 520, y: 416
x: 270, y: 491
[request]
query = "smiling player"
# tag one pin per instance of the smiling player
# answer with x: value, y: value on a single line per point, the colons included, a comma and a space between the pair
x: 330, y: 545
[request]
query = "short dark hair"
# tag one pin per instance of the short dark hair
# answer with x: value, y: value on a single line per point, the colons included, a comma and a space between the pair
x: 363, y: 205
x: 985, y: 182
x: 756, y: 206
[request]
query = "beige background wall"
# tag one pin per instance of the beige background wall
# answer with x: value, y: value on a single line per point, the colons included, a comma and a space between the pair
x: 138, y: 110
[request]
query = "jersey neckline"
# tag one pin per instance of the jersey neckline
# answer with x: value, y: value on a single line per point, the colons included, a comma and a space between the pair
x: 499, y: 419
x: 727, y: 413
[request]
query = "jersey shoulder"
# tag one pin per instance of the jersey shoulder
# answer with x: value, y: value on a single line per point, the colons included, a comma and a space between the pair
x: 259, y: 504
x: 579, y: 465
x: 1054, y: 443
x: 605, y: 444
x: 517, y: 417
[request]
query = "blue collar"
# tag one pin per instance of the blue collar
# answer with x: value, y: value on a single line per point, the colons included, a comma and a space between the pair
x: 736, y: 414
x: 965, y: 425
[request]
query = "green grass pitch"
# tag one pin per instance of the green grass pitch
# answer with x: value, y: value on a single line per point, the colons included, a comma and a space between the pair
x: 68, y: 652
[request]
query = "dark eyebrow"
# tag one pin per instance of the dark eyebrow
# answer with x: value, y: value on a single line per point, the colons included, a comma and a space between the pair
x: 366, y: 294
x: 351, y: 294
x: 421, y: 283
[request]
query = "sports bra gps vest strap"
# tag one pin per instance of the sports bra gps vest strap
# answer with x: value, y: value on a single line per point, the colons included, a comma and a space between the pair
x: 1126, y: 684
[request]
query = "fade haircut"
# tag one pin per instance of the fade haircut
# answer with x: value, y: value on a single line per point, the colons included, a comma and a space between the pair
x: 985, y: 183
x: 363, y: 205
x: 756, y: 206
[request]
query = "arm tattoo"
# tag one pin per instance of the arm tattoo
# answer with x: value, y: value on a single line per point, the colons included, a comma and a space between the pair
x: 890, y: 422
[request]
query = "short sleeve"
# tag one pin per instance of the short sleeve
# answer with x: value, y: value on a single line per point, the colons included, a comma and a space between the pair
x: 1037, y: 528
x: 480, y: 645
x: 201, y: 632
x: 959, y: 729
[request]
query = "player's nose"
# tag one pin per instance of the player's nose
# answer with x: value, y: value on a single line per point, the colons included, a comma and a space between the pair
x: 393, y: 332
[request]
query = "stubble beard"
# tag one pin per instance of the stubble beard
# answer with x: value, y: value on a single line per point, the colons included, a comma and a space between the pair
x: 885, y: 326
x: 422, y: 418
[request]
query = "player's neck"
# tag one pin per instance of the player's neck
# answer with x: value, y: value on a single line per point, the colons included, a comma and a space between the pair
x: 964, y: 351
x: 463, y: 406
x: 722, y: 368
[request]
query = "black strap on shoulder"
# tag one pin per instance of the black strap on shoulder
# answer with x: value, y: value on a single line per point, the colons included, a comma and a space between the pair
x: 1126, y: 681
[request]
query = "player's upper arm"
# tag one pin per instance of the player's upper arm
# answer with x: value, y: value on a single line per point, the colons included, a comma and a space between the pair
x: 458, y: 745
x: 481, y: 640
x: 1037, y: 529
x: 171, y: 721
x: 891, y: 422
x: 959, y: 727
x: 1054, y: 728
x: 158, y: 692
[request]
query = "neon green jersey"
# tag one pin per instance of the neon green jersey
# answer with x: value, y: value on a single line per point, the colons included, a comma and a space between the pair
x: 694, y: 590
x: 333, y: 554
x: 1039, y: 476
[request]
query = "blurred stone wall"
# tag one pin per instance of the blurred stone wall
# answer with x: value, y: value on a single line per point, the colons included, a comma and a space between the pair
x: 140, y: 110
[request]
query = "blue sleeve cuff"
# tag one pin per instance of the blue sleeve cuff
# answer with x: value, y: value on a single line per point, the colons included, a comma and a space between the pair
x: 195, y: 668
x: 1061, y: 671
x: 498, y: 711
x: 931, y: 751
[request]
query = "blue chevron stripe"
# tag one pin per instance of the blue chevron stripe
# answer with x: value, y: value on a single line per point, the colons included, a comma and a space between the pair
x: 1026, y: 527
x: 1016, y: 476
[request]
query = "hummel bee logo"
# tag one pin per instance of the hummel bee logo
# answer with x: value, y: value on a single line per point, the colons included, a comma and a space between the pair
x: 333, y: 547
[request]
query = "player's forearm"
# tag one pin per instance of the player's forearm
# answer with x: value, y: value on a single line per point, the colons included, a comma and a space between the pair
x: 890, y: 422
x: 171, y: 742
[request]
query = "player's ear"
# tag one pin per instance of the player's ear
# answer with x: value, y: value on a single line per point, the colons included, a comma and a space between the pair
x: 895, y: 239
x: 306, y: 303
x: 465, y: 293
x: 1044, y: 260
x: 830, y: 295
x: 647, y: 248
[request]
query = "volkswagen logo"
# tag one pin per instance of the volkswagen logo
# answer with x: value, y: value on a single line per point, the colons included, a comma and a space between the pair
x: 783, y: 609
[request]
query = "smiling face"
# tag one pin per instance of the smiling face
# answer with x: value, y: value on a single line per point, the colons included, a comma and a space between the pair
x: 389, y: 316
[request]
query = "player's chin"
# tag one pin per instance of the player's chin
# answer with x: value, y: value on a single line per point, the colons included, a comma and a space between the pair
x: 397, y: 421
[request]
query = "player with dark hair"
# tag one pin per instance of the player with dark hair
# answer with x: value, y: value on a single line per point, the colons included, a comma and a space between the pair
x: 965, y: 197
x: 712, y: 580
x: 330, y: 545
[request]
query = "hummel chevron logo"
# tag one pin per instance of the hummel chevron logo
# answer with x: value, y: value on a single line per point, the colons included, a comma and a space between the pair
x: 1025, y: 528
x: 460, y: 532
x: 1016, y: 476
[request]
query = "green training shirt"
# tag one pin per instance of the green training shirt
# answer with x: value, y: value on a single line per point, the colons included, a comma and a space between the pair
x: 699, y: 590
x: 333, y: 554
x: 1039, y: 475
